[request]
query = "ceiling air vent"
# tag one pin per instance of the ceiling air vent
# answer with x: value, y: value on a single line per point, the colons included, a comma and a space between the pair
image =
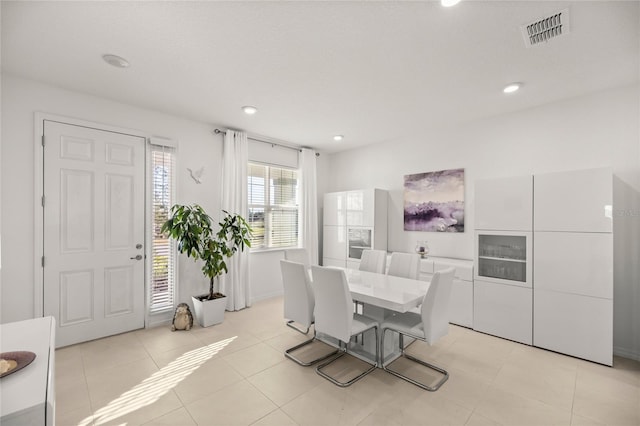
x: 544, y: 29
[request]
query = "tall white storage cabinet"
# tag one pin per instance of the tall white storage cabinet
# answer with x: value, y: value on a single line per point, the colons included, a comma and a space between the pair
x: 353, y: 221
x: 334, y: 233
x: 502, y: 293
x: 573, y: 252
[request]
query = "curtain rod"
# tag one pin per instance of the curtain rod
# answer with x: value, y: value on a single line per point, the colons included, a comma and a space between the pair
x: 218, y: 131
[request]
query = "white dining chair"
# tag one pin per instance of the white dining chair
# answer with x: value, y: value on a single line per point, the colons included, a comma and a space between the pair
x: 334, y: 317
x: 429, y: 326
x: 405, y: 265
x: 300, y: 255
x: 373, y: 261
x: 299, y: 303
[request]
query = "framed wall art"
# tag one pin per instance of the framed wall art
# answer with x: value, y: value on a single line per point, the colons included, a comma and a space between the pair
x: 434, y: 201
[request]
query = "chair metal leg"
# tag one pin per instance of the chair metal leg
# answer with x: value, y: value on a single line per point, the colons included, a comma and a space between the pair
x: 358, y: 308
x: 289, y: 353
x: 344, y: 352
x: 290, y: 324
x: 412, y: 358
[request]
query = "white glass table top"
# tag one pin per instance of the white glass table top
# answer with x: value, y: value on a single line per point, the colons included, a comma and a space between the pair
x: 386, y: 291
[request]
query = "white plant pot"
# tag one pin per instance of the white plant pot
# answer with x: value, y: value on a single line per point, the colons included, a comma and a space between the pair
x: 209, y: 312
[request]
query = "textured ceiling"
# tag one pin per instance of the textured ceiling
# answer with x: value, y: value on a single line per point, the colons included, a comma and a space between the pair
x: 371, y: 70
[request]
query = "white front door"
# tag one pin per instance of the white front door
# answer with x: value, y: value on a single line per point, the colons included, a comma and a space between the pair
x: 93, y: 231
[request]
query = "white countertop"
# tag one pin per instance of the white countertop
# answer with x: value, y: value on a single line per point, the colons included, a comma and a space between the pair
x: 386, y: 291
x: 26, y: 389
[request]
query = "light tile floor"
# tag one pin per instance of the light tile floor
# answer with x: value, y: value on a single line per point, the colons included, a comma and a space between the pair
x: 235, y: 373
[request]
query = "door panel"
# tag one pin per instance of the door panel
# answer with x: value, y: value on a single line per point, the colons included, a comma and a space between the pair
x: 119, y: 291
x: 119, y: 213
x: 93, y: 220
x: 76, y: 211
x: 76, y: 287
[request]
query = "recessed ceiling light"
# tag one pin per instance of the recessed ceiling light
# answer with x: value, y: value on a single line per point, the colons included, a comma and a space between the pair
x: 249, y: 110
x: 338, y: 137
x: 449, y: 3
x: 512, y: 87
x: 116, y: 61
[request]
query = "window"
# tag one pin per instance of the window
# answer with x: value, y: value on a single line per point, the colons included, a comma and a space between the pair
x: 273, y: 206
x: 161, y: 294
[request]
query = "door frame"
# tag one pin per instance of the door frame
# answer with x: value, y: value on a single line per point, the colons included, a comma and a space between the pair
x: 38, y: 225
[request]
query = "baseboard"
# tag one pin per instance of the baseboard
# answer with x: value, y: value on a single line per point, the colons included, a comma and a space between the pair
x: 626, y: 353
x: 159, y: 320
x: 266, y: 296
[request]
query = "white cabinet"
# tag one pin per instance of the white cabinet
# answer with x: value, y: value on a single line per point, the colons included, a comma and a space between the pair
x: 574, y: 263
x: 334, y: 242
x: 27, y: 397
x: 573, y: 269
x: 353, y: 221
x: 574, y: 324
x: 361, y: 208
x: 503, y: 310
x: 504, y: 257
x: 503, y: 297
x: 568, y: 301
x: 504, y: 204
x: 461, y: 302
x: 335, y: 209
x: 574, y: 201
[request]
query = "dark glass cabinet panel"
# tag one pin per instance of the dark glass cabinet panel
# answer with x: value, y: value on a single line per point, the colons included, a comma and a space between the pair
x: 503, y: 257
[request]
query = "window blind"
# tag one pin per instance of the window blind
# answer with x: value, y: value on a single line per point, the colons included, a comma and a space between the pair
x: 273, y: 205
x: 162, y: 291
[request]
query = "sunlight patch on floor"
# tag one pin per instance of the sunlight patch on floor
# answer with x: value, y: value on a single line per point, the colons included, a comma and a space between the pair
x: 157, y: 385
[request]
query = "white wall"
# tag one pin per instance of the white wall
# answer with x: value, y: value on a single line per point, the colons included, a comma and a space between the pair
x: 600, y: 129
x: 21, y: 99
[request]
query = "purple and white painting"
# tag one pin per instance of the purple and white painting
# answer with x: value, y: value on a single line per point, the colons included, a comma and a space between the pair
x: 434, y: 201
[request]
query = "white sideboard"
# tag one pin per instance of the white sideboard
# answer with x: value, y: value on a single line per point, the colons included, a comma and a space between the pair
x: 27, y: 397
x: 461, y: 303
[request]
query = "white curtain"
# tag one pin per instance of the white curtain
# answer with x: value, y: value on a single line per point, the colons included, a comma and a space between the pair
x: 235, y: 284
x: 309, y: 203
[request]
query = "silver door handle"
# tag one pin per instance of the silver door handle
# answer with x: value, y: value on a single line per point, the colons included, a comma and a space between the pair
x: 138, y: 257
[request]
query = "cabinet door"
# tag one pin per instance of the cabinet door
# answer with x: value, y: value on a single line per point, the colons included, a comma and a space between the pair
x: 426, y: 266
x: 326, y: 261
x: 576, y: 325
x: 361, y: 208
x: 461, y: 303
x: 353, y: 264
x: 423, y: 276
x: 504, y: 204
x: 504, y: 257
x: 464, y: 271
x: 574, y: 262
x: 503, y: 310
x: 578, y: 201
x: 335, y: 208
x: 334, y: 242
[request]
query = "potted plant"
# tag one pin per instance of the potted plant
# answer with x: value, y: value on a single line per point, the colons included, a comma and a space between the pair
x: 193, y: 229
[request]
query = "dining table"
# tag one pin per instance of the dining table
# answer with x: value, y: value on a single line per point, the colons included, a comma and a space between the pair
x: 382, y: 296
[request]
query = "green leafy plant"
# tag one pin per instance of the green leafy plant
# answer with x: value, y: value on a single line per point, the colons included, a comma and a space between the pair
x: 193, y: 229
